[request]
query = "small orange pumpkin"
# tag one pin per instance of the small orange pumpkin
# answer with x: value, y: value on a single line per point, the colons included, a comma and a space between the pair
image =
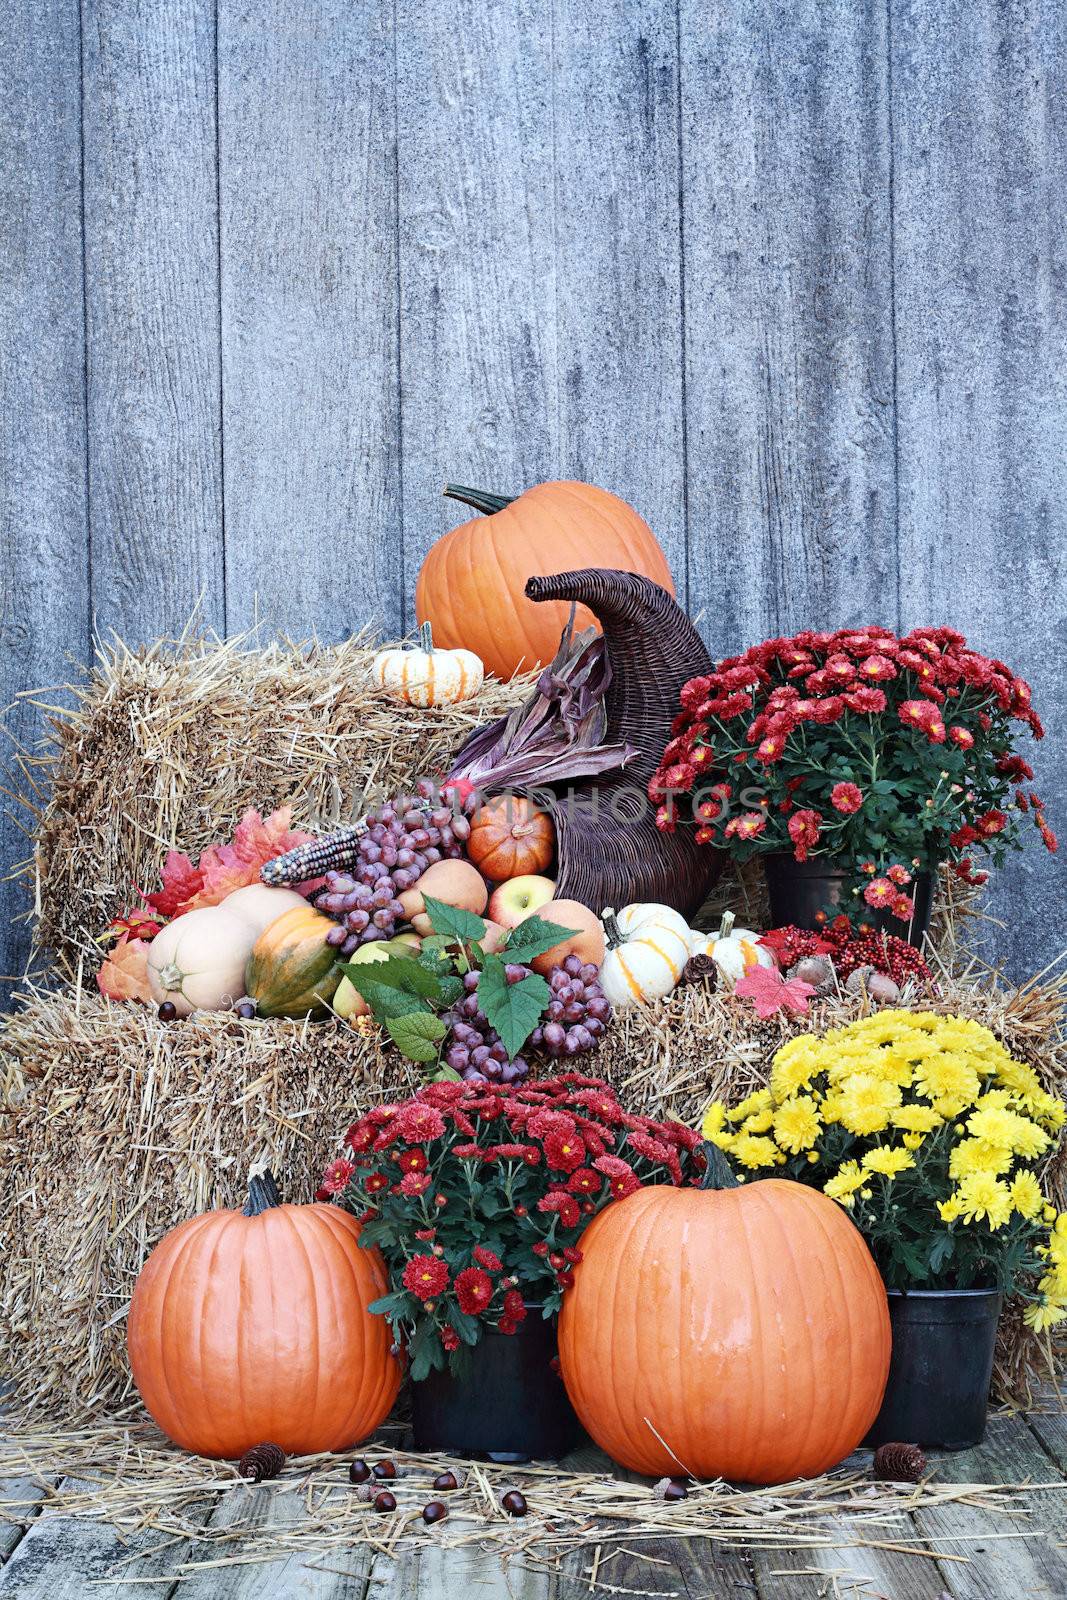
x: 253, y: 1325
x: 731, y: 1331
x: 472, y: 583
x: 510, y: 838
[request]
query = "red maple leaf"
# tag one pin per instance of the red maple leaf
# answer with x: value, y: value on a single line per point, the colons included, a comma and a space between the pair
x: 770, y: 992
x: 124, y: 973
x: 257, y: 840
x: 181, y: 882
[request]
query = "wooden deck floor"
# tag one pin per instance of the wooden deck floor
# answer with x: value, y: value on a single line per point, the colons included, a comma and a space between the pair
x: 969, y: 1553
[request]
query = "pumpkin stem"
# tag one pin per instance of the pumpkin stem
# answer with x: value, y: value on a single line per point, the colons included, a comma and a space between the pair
x: 726, y: 926
x: 263, y: 1194
x: 481, y: 499
x: 426, y: 637
x: 718, y: 1173
x: 612, y: 929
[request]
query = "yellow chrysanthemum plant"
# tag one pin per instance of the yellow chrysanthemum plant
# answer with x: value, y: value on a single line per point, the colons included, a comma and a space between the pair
x: 932, y: 1135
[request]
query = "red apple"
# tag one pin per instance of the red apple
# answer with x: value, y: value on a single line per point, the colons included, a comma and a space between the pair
x: 587, y: 940
x: 518, y: 898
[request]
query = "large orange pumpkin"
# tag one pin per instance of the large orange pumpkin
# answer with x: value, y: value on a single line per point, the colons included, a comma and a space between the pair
x: 253, y: 1325
x: 738, y: 1332
x: 472, y: 580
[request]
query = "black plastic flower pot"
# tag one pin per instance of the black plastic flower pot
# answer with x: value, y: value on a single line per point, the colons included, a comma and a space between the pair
x: 940, y: 1369
x: 510, y: 1404
x: 800, y: 890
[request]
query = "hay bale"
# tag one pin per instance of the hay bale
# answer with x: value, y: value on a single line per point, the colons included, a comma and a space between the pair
x: 114, y: 1126
x: 167, y: 745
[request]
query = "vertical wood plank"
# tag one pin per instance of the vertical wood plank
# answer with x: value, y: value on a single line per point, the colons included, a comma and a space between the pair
x: 44, y: 579
x: 307, y: 181
x: 477, y: 257
x: 616, y: 227
x: 789, y: 364
x: 153, y: 313
x: 980, y: 171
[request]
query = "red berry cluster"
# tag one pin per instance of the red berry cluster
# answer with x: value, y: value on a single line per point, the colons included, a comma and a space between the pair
x: 849, y: 950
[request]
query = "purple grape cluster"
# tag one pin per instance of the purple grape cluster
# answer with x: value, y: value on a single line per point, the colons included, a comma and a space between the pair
x: 577, y: 1014
x: 475, y: 1050
x: 402, y: 838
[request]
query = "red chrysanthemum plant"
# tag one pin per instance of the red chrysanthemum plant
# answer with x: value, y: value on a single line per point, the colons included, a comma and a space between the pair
x: 477, y: 1197
x: 890, y: 754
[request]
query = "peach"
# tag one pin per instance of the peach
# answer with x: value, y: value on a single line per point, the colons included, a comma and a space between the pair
x: 587, y: 940
x: 457, y: 883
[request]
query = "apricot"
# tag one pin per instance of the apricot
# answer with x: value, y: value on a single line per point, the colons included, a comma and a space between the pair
x: 457, y: 883
x: 586, y: 942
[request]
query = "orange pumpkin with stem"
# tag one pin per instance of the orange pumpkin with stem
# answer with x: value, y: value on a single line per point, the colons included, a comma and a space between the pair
x: 253, y: 1325
x: 735, y: 1331
x: 471, y: 585
x: 510, y: 838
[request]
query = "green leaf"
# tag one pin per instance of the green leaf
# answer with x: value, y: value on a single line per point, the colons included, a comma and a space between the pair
x: 451, y: 991
x: 387, y: 1004
x: 467, y: 1327
x: 462, y: 925
x: 513, y: 1009
x: 417, y: 1035
x: 392, y: 1305
x: 425, y: 1350
x: 398, y: 972
x: 532, y: 937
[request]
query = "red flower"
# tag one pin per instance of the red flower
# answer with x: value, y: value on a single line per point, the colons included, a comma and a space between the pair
x: 546, y: 1121
x: 449, y: 1338
x: 426, y: 1233
x: 426, y: 1276
x: 621, y: 1177
x: 963, y: 837
x: 903, y: 907
x: 540, y: 1248
x: 375, y: 1182
x: 961, y: 736
x: 361, y: 1135
x: 418, y: 1122
x: 338, y: 1174
x: 474, y: 1290
x: 880, y: 892
x: 583, y: 1181
x: 513, y: 1306
x: 877, y: 669
x: 468, y: 1152
x: 565, y: 1152
x: 748, y: 826
x: 992, y: 822
x: 846, y: 798
x: 485, y: 1258
x: 1014, y: 767
x: 565, y: 1206
x: 867, y: 699
x: 414, y: 1183
x: 898, y: 874
x: 412, y: 1160
x: 507, y: 1152
x: 804, y: 829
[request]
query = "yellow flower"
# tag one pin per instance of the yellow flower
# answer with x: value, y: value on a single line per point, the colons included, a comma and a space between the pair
x: 795, y: 1064
x: 912, y: 1141
x: 750, y: 1106
x: 949, y: 1081
x: 759, y: 1121
x: 978, y: 1155
x: 1045, y: 1315
x: 888, y: 1161
x: 752, y: 1151
x: 714, y: 1118
x: 950, y: 1209
x: 796, y: 1124
x: 865, y: 1102
x: 1009, y: 1130
x: 1026, y: 1195
x: 842, y: 1187
x: 916, y: 1119
x: 983, y: 1196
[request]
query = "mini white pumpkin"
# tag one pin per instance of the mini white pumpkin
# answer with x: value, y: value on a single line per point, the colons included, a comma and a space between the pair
x: 198, y: 961
x: 648, y: 946
x: 424, y: 676
x: 259, y: 905
x: 734, y: 951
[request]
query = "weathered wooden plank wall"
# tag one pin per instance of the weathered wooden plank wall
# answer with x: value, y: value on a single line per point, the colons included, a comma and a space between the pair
x: 792, y: 277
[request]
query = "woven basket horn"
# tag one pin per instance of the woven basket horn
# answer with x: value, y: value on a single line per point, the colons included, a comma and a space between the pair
x: 609, y: 850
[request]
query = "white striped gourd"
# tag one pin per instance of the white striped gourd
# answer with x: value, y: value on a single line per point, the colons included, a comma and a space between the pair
x: 648, y: 946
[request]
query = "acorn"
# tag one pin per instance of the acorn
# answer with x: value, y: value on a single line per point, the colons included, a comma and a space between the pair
x: 878, y: 986
x: 246, y: 1010
x: 167, y: 1011
x: 384, y: 1501
x: 671, y: 1489
x: 452, y: 1479
x: 385, y: 1469
x: 514, y: 1503
x: 359, y: 1471
x: 434, y: 1511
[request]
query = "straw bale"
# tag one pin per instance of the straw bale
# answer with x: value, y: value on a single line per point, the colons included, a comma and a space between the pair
x: 167, y: 745
x: 114, y: 1126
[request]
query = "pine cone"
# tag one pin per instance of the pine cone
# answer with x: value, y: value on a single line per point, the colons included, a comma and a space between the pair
x: 262, y: 1461
x: 899, y: 1463
x: 701, y: 970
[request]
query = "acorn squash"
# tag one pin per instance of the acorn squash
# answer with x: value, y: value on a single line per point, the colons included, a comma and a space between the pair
x: 293, y: 971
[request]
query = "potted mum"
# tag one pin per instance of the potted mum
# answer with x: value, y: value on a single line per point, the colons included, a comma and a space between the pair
x: 854, y: 763
x: 933, y: 1137
x: 477, y: 1196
